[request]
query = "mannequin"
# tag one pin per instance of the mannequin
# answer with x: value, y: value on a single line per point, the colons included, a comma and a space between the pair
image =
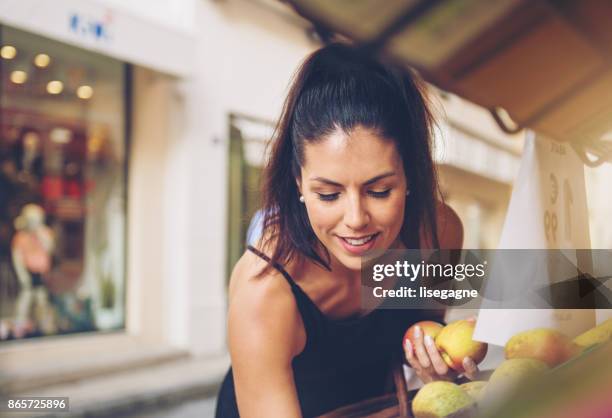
x: 31, y: 250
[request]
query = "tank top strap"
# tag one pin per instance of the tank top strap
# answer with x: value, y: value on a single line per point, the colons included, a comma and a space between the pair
x: 277, y: 266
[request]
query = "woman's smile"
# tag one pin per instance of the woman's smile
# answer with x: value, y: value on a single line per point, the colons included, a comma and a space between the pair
x: 359, y: 245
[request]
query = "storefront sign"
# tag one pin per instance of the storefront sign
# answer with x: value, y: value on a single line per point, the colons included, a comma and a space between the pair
x: 96, y: 27
x: 93, y: 27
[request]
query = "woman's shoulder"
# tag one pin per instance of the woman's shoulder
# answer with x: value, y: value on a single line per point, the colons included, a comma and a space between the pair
x: 252, y: 272
x: 262, y: 305
x: 450, y: 229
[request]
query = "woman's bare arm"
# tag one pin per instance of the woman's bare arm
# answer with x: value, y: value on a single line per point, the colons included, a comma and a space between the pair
x: 265, y: 333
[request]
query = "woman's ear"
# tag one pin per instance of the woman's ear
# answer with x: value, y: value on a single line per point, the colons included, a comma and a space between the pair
x: 298, y: 183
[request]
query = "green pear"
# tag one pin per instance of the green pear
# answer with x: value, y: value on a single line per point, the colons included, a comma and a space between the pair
x: 547, y: 345
x: 600, y: 334
x: 517, y: 370
x: 474, y: 389
x: 508, y: 375
x: 441, y: 399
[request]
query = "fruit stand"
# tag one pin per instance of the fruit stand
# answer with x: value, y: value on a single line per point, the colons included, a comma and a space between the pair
x: 545, y: 374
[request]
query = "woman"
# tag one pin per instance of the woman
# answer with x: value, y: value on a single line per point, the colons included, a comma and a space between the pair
x: 350, y: 171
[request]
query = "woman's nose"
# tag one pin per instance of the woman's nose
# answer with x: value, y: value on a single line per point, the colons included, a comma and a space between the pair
x: 356, y: 216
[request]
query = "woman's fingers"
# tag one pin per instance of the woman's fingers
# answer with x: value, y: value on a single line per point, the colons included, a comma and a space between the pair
x: 434, y: 355
x: 423, y: 356
x: 419, y: 348
x: 410, y: 356
x: 413, y: 361
x: 471, y: 369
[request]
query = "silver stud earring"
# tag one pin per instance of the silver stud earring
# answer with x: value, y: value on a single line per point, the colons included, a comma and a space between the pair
x: 407, y: 192
x: 302, y: 199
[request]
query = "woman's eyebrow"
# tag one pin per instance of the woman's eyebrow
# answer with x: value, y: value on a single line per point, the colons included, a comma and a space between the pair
x: 367, y: 183
x: 379, y: 177
x: 326, y: 181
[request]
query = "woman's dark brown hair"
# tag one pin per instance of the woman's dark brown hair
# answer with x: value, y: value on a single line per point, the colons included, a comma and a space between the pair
x: 339, y: 88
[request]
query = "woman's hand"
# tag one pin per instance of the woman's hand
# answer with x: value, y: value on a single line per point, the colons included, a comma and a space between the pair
x: 423, y: 356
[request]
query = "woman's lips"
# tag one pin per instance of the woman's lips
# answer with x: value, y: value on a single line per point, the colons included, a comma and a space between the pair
x: 357, y: 246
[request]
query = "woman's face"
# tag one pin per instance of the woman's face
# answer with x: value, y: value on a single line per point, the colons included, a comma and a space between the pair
x: 354, y: 190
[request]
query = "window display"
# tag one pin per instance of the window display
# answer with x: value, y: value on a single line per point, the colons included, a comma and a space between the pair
x: 62, y: 188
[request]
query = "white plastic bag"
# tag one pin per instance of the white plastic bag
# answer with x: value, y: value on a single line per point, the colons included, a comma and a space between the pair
x: 548, y: 210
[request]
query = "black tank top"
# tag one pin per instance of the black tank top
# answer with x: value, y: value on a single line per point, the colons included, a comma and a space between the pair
x: 343, y: 361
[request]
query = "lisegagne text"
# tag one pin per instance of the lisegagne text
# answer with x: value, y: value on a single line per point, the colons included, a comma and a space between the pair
x: 424, y: 292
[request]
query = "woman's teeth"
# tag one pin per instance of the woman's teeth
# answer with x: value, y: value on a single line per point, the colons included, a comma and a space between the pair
x: 360, y: 241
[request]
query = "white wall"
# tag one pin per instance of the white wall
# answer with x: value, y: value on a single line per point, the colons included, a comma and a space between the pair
x: 177, y: 14
x: 245, y: 57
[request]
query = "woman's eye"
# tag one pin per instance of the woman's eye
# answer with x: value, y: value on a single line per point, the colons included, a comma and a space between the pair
x: 379, y: 194
x: 328, y: 196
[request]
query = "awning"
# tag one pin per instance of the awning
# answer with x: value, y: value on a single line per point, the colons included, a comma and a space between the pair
x: 548, y: 64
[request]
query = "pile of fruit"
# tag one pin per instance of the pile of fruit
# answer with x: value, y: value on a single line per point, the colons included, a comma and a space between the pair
x: 528, y: 354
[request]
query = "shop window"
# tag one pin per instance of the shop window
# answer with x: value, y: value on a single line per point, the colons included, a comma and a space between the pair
x: 248, y: 139
x: 62, y: 188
